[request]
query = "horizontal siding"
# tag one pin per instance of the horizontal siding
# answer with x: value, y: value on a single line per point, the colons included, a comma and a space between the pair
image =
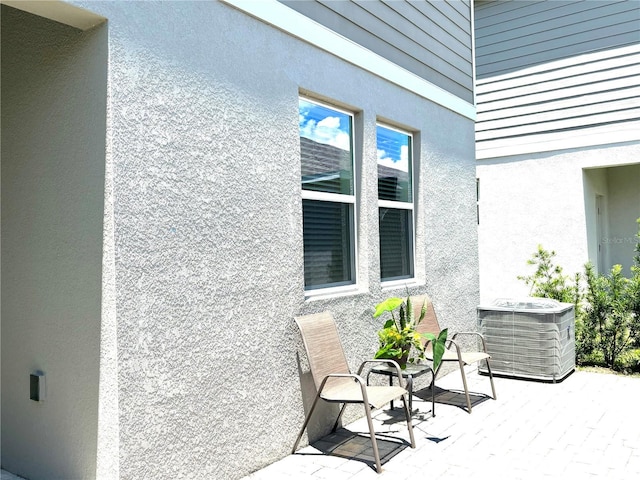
x: 586, y: 91
x: 532, y: 113
x: 521, y: 34
x: 545, y: 104
x: 536, y: 92
x: 429, y: 39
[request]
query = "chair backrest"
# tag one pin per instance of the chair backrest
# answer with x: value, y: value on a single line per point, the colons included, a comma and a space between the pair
x: 322, y: 343
x: 430, y: 322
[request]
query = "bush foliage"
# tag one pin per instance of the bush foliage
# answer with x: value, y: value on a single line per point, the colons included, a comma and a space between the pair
x: 607, y: 308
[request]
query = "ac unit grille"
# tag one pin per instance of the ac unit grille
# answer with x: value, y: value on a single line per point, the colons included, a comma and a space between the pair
x: 535, y: 343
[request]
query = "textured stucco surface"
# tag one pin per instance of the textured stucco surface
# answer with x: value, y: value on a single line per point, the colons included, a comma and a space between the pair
x: 54, y: 81
x: 549, y: 199
x: 623, y: 187
x: 203, y: 192
x: 208, y: 253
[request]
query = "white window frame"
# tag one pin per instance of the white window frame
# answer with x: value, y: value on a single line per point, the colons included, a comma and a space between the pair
x: 337, y: 290
x: 401, y: 206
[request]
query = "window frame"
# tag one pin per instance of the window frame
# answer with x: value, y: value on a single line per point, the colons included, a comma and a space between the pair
x: 400, y: 205
x: 346, y: 286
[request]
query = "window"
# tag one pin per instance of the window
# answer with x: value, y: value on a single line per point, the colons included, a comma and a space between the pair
x: 328, y: 195
x: 395, y: 203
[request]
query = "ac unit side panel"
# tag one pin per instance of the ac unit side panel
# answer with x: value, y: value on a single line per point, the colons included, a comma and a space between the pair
x: 537, y: 345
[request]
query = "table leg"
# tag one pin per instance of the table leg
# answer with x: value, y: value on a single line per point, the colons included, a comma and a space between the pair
x: 433, y: 394
x: 391, y: 385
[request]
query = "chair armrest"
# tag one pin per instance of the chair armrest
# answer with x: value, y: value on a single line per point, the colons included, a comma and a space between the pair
x: 451, y: 342
x: 466, y: 333
x: 393, y: 363
x: 357, y: 377
x: 448, y: 344
x: 477, y: 334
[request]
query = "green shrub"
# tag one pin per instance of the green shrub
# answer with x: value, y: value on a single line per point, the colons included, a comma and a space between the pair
x: 608, y: 320
x: 629, y: 361
x: 607, y: 308
x: 595, y: 359
x: 585, y: 342
x: 548, y: 280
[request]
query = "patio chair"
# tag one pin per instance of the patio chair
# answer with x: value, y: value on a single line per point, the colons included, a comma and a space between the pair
x: 336, y: 384
x: 452, y: 353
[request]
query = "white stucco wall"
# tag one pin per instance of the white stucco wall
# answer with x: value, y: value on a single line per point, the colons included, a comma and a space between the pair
x: 54, y: 82
x: 202, y: 240
x: 624, y: 209
x: 549, y: 199
x: 208, y: 230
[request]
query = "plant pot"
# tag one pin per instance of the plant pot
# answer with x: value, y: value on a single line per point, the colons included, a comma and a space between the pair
x: 402, y: 360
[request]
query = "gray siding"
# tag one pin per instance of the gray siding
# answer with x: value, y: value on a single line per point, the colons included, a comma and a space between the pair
x: 548, y: 68
x: 430, y: 39
x: 511, y: 35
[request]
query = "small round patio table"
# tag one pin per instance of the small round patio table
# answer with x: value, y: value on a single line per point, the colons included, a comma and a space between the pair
x: 413, y: 370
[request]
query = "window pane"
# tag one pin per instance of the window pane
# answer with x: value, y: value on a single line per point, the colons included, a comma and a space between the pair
x: 396, y: 252
x: 394, y: 165
x: 328, y: 249
x: 325, y: 145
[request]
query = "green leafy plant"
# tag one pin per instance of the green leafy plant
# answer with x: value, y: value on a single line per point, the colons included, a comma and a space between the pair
x: 607, y: 311
x: 399, y: 337
x: 629, y: 361
x: 548, y: 280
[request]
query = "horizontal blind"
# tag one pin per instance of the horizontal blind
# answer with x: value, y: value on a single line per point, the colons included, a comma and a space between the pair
x: 327, y: 243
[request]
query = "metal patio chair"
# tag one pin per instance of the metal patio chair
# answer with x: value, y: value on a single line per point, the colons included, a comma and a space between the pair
x: 452, y: 353
x: 336, y: 384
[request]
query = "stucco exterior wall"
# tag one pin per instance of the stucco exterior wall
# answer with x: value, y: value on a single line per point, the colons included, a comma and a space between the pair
x: 54, y: 81
x: 550, y: 199
x: 202, y: 240
x: 624, y: 209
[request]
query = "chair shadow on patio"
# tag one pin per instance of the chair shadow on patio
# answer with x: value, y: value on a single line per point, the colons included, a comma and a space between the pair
x: 455, y: 398
x: 354, y: 445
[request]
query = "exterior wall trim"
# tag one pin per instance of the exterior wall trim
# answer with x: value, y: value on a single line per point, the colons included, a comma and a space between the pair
x: 59, y: 12
x: 288, y: 20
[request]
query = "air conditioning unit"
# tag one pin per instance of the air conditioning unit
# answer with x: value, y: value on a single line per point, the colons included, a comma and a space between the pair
x: 532, y: 338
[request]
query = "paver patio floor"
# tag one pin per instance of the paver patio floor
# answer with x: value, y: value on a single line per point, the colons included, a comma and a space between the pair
x: 587, y: 426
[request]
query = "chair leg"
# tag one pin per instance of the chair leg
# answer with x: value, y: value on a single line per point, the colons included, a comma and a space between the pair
x: 306, y: 422
x: 374, y: 443
x: 464, y: 384
x: 407, y: 413
x: 433, y: 388
x: 493, y: 388
x: 342, y: 409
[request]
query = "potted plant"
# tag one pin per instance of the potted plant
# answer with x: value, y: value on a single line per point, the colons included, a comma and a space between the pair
x: 399, y: 338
